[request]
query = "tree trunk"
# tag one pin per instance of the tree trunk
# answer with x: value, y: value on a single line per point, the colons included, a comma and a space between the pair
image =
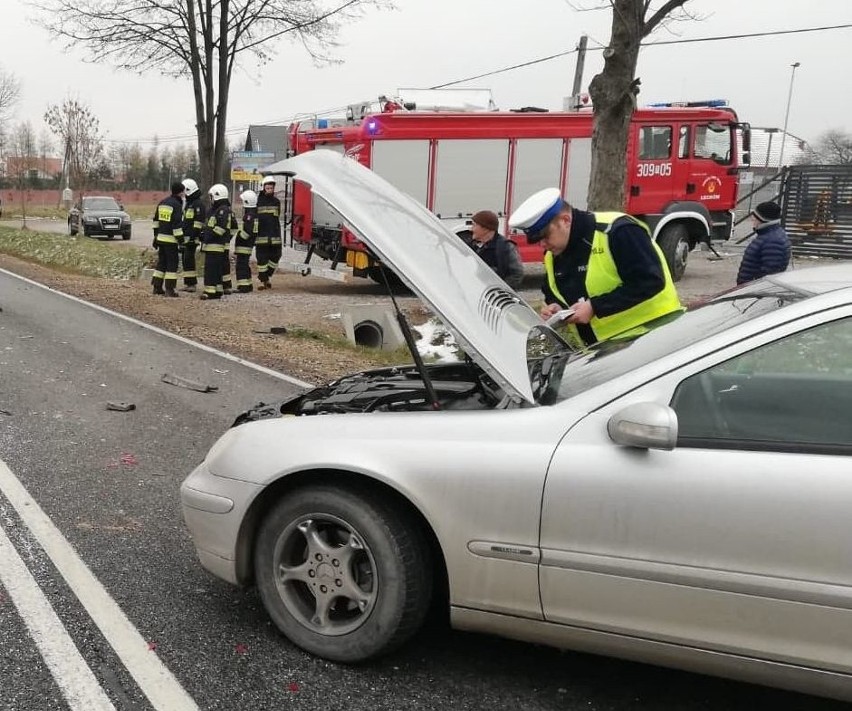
x: 614, y: 99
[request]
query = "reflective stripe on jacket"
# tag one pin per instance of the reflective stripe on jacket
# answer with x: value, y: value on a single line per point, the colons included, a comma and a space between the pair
x: 602, y: 277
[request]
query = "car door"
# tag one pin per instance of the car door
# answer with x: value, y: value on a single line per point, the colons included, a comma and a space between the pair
x: 738, y: 540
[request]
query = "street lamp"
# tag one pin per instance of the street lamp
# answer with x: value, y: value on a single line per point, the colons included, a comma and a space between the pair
x: 795, y: 66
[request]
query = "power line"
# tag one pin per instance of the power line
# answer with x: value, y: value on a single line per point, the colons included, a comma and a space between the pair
x: 718, y: 38
x: 650, y: 44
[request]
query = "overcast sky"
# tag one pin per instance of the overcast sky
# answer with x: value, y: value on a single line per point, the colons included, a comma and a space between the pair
x: 430, y: 42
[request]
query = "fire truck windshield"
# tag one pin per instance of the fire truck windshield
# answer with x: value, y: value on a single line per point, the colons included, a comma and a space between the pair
x: 713, y: 141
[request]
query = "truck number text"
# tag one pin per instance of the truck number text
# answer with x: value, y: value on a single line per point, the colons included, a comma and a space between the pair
x: 646, y: 170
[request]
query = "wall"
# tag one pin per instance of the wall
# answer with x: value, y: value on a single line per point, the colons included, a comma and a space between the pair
x: 52, y: 198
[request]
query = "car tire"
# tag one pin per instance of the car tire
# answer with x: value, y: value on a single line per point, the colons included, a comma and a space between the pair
x: 674, y: 242
x: 125, y: 236
x: 341, y: 573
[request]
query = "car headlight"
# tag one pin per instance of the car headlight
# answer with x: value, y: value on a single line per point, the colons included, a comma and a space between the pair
x: 125, y: 219
x: 89, y: 218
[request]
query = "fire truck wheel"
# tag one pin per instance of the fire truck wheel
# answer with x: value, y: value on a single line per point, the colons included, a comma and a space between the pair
x: 674, y: 241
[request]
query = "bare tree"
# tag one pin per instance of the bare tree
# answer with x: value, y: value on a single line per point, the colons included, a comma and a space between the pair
x: 10, y: 92
x: 613, y: 93
x: 23, y: 163
x: 201, y: 40
x: 78, y: 131
x: 831, y: 148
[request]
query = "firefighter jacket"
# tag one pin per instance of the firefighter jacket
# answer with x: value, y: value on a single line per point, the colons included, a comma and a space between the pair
x: 193, y: 219
x: 219, y: 228
x: 612, y: 260
x: 247, y: 234
x: 269, y: 219
x: 168, y: 221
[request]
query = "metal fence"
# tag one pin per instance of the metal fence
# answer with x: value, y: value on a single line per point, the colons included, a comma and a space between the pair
x: 816, y: 206
x: 817, y: 210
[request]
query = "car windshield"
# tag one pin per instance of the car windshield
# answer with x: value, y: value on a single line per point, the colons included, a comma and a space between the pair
x: 576, y: 373
x: 100, y: 203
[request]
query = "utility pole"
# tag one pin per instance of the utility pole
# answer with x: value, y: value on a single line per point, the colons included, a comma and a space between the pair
x: 795, y: 66
x: 578, y: 73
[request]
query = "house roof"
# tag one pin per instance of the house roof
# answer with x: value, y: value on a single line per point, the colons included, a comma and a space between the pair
x: 267, y: 138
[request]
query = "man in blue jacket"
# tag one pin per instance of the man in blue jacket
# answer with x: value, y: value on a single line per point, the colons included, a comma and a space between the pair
x: 769, y: 251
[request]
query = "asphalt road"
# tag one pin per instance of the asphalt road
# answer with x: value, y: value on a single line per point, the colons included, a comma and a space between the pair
x: 103, y: 603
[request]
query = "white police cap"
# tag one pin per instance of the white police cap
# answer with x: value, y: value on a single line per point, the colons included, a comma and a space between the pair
x: 536, y: 212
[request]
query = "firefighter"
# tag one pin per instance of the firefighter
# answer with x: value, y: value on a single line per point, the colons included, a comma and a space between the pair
x: 603, y: 265
x: 268, y: 249
x: 168, y: 236
x: 244, y: 242
x: 215, y: 237
x: 193, y: 221
x: 495, y: 250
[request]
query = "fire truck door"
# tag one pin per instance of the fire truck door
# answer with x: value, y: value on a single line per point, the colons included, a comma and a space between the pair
x: 708, y: 181
x: 651, y: 182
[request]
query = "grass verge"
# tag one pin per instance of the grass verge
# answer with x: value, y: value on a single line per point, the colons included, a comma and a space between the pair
x: 75, y: 254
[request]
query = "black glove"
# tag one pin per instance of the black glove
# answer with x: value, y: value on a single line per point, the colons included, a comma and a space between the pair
x: 154, y: 243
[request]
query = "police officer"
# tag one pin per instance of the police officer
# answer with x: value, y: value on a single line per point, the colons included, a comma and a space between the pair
x: 268, y: 250
x: 495, y: 250
x: 603, y: 265
x: 215, y: 237
x: 244, y: 242
x: 168, y: 236
x: 193, y: 221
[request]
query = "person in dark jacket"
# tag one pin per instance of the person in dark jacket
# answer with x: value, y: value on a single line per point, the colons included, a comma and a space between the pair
x: 268, y: 245
x: 168, y: 237
x: 495, y: 250
x: 193, y: 221
x: 215, y: 238
x: 769, y: 251
x: 604, y: 266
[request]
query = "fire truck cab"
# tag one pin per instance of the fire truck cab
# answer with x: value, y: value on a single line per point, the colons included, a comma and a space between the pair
x: 682, y: 173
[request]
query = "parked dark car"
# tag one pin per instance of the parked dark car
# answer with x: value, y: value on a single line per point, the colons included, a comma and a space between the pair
x: 99, y: 215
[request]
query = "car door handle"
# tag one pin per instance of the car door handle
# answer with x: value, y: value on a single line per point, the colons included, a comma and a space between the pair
x: 690, y: 187
x: 634, y: 190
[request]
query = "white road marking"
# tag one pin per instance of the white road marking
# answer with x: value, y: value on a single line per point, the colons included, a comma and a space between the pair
x: 162, y: 332
x: 154, y: 679
x: 67, y: 666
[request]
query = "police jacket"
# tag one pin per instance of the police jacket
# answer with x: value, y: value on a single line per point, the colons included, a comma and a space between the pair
x: 193, y: 218
x: 502, y: 256
x: 269, y: 219
x: 768, y: 253
x: 168, y: 221
x: 612, y: 261
x: 219, y: 227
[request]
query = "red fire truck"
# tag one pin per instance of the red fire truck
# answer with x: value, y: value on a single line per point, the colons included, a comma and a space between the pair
x: 682, y: 175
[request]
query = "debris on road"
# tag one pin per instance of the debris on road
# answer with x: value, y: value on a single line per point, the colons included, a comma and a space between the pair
x: 276, y: 330
x: 120, y: 406
x: 187, y: 383
x: 5, y: 412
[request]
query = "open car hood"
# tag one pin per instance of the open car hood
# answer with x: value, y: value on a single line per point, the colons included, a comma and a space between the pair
x: 489, y: 320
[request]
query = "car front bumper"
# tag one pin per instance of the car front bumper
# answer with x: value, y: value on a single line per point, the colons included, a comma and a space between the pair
x: 213, y: 509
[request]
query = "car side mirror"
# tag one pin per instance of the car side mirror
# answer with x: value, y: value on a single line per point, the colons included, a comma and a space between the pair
x: 647, y: 425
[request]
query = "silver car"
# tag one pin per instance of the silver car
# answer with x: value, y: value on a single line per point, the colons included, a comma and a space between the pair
x: 682, y: 498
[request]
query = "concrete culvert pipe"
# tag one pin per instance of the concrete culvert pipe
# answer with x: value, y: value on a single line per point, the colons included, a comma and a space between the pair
x: 368, y: 333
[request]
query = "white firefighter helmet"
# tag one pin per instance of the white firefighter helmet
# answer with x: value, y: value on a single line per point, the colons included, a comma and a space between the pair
x: 218, y: 192
x: 267, y: 180
x: 190, y: 186
x: 249, y: 198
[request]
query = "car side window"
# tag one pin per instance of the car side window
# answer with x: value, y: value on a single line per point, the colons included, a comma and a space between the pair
x: 794, y: 394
